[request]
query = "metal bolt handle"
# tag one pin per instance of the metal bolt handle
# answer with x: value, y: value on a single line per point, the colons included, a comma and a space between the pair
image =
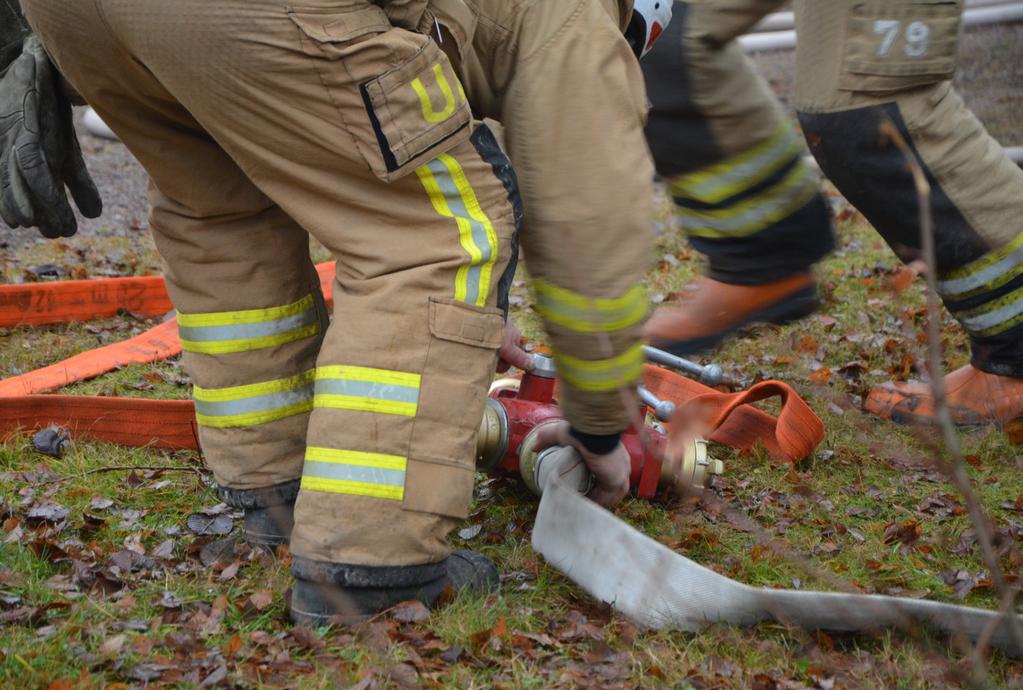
x: 709, y: 375
x: 664, y: 410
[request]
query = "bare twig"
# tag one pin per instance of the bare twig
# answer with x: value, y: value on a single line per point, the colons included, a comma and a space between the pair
x: 121, y: 468
x: 957, y: 471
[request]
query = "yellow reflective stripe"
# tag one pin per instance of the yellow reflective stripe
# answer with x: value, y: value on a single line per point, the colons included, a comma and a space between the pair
x: 252, y: 404
x: 370, y: 375
x: 224, y: 347
x: 987, y: 273
x: 488, y: 254
x: 231, y: 318
x: 453, y: 197
x: 718, y: 182
x: 252, y: 389
x: 365, y: 389
x: 793, y: 192
x: 340, y: 486
x: 426, y: 102
x: 384, y: 461
x: 440, y: 205
x: 601, y: 375
x: 253, y: 418
x: 583, y: 315
x: 350, y: 402
x: 356, y: 473
x: 994, y: 317
x: 225, y: 332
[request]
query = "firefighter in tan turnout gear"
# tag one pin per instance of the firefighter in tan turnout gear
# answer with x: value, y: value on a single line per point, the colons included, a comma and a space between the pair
x: 261, y: 122
x: 748, y: 202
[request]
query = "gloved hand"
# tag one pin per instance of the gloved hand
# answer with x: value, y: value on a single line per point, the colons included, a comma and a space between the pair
x: 610, y: 470
x: 39, y: 151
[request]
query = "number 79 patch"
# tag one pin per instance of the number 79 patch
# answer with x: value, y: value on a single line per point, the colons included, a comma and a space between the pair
x: 899, y: 45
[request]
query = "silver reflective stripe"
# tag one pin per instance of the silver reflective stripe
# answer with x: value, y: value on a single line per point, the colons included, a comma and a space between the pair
x: 784, y: 149
x: 993, y: 319
x: 453, y: 197
x: 754, y: 215
x: 958, y: 286
x: 256, y: 403
x: 353, y: 473
x: 368, y: 389
x: 247, y: 331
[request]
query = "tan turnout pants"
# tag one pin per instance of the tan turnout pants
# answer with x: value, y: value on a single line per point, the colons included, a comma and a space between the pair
x: 728, y: 153
x: 860, y: 62
x: 250, y: 119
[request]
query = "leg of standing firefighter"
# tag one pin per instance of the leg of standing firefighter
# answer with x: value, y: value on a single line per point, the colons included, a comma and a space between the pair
x: 312, y: 126
x: 237, y: 267
x: 861, y: 63
x: 733, y: 164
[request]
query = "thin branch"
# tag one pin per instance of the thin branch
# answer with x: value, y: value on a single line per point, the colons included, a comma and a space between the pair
x: 121, y: 468
x: 957, y: 472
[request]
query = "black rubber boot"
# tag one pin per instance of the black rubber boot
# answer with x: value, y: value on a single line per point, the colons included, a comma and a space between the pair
x: 331, y: 593
x: 269, y: 512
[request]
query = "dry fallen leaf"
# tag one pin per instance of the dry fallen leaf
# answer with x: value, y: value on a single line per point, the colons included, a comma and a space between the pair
x: 112, y: 645
x: 47, y: 512
x: 261, y: 599
x: 412, y: 611
x: 230, y: 571
x: 210, y: 524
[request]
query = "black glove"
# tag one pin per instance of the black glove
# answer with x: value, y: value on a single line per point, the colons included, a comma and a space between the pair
x: 13, y: 28
x: 39, y: 151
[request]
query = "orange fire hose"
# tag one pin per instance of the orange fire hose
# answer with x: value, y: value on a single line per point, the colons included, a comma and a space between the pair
x: 140, y: 422
x: 39, y: 304
x: 66, y: 301
x: 159, y: 342
x: 134, y: 422
x: 729, y: 419
x: 171, y: 423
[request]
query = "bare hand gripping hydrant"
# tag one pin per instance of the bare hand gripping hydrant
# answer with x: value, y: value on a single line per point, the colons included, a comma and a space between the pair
x: 514, y: 413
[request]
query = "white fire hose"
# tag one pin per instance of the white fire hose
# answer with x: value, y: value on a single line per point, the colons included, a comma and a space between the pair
x: 661, y: 589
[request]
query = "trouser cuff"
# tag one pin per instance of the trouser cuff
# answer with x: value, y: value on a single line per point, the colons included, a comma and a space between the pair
x: 791, y: 246
x: 1001, y: 355
x: 264, y: 497
x: 365, y: 576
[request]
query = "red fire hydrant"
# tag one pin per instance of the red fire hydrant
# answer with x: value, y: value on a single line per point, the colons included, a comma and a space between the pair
x: 511, y: 416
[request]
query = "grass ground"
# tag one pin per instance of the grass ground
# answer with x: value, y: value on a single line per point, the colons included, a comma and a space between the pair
x: 104, y: 584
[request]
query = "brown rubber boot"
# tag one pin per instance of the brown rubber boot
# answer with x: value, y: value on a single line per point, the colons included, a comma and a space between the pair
x: 714, y: 310
x: 974, y: 398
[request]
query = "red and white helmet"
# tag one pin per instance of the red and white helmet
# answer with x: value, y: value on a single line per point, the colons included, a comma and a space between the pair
x: 649, y: 19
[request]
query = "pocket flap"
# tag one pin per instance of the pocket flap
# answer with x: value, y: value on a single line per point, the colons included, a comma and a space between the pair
x: 895, y: 47
x: 333, y: 25
x: 463, y: 323
x: 418, y: 108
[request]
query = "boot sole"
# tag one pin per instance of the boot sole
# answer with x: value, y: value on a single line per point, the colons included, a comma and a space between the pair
x: 792, y: 307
